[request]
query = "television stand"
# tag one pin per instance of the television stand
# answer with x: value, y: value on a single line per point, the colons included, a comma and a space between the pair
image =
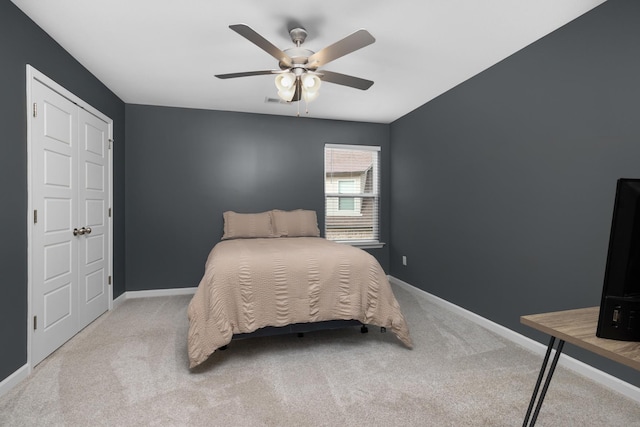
x: 577, y: 327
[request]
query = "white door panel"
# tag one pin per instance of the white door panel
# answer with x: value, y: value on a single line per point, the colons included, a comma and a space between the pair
x: 58, y: 215
x: 58, y: 302
x: 57, y: 169
x: 94, y: 176
x: 94, y: 286
x: 95, y: 212
x: 60, y: 124
x: 58, y: 261
x: 94, y: 139
x: 94, y: 249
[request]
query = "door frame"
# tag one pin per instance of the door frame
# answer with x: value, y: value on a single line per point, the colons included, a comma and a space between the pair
x: 32, y: 76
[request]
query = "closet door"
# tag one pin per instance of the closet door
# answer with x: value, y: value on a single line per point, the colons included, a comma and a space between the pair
x: 54, y: 199
x: 70, y: 234
x: 93, y: 171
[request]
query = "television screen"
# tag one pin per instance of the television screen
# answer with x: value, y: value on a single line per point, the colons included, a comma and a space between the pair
x: 620, y: 305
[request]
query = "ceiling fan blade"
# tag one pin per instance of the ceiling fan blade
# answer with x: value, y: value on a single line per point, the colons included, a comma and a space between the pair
x: 247, y: 74
x: 351, y: 43
x: 264, y: 44
x: 344, y: 80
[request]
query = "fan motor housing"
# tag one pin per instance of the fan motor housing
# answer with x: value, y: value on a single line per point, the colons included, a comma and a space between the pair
x: 298, y: 56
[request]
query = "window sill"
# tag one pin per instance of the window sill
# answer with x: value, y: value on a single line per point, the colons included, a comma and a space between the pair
x: 362, y: 244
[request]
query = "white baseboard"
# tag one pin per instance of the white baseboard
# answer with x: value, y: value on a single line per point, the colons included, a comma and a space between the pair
x: 159, y: 293
x: 152, y: 293
x: 569, y: 362
x: 13, y: 379
x: 118, y: 301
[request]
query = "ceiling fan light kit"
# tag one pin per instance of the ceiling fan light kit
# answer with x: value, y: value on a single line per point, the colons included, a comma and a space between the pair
x: 289, y: 84
x: 299, y: 76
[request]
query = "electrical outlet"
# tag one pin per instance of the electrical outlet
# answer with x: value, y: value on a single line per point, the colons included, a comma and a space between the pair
x: 404, y: 260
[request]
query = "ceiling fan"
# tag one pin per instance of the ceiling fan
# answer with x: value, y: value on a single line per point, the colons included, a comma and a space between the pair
x: 299, y: 74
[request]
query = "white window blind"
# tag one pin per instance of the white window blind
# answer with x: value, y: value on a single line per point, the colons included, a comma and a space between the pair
x: 352, y: 192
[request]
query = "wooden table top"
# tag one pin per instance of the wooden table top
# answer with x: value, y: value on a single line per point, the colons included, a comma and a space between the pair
x: 578, y: 327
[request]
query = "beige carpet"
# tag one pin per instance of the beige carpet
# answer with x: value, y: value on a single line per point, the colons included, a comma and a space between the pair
x: 129, y: 368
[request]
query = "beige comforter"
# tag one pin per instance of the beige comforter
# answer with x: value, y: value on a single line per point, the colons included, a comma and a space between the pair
x: 252, y: 283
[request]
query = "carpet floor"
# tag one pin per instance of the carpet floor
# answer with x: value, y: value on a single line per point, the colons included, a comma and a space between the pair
x: 130, y: 368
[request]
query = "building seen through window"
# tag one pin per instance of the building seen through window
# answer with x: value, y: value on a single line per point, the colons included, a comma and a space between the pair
x: 352, y: 183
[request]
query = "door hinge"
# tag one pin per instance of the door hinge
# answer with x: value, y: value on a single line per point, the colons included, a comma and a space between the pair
x: 109, y: 281
x: 109, y: 212
x: 110, y: 142
x: 35, y: 216
x: 35, y: 322
x: 35, y: 109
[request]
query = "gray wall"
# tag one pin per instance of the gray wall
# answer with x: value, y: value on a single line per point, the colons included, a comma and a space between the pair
x: 186, y: 167
x: 21, y: 43
x: 508, y: 180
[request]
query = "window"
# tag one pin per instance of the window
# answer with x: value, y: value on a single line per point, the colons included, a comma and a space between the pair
x: 352, y: 193
x: 347, y: 205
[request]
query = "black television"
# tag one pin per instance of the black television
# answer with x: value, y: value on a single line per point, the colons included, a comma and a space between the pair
x: 619, y: 317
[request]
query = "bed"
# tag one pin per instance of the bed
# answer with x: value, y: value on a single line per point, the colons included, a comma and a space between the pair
x: 272, y: 270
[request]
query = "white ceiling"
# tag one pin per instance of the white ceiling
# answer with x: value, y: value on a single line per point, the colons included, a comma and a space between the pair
x: 163, y: 52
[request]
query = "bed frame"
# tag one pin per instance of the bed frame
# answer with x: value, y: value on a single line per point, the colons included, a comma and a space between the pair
x: 301, y: 329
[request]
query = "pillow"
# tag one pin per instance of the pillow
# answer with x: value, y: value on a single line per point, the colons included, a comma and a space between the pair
x: 298, y: 223
x: 247, y: 225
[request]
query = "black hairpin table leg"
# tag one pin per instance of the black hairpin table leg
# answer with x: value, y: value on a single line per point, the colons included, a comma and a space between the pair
x: 547, y: 381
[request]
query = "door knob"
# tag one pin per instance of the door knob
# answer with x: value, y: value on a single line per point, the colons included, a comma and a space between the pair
x: 81, y: 231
